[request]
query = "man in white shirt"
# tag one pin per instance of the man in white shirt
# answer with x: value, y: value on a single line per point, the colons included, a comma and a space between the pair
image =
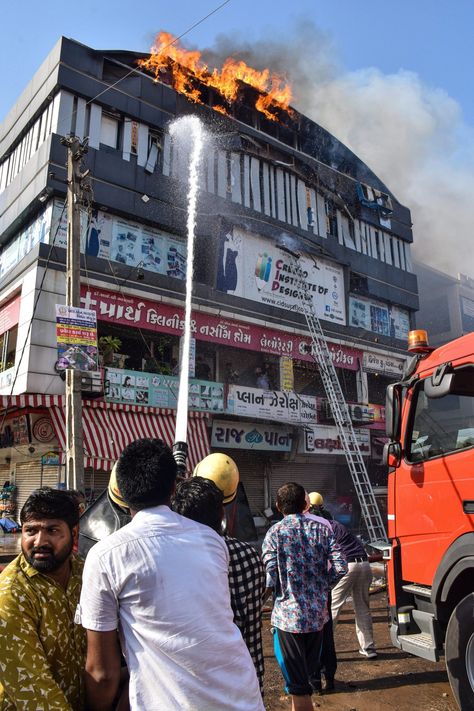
x: 162, y: 582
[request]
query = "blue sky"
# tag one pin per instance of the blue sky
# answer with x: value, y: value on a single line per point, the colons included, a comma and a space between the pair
x: 430, y: 37
x: 391, y: 80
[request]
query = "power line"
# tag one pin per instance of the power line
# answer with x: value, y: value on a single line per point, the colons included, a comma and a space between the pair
x: 135, y: 70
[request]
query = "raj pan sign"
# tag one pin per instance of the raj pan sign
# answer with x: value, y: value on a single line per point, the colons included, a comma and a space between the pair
x: 76, y: 335
x: 250, y: 435
x: 253, y: 268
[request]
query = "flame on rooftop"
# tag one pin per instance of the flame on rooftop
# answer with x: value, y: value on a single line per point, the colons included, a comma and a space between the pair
x: 188, y: 73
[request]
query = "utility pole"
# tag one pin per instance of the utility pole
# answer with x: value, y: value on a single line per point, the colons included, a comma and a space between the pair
x: 74, y: 434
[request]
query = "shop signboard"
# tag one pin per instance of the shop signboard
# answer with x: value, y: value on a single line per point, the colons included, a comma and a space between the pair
x: 250, y: 435
x: 159, y: 390
x: 324, y: 439
x: 270, y: 404
x: 287, y: 380
x: 50, y: 459
x: 76, y: 335
x: 252, y: 267
x: 382, y: 364
x: 161, y: 317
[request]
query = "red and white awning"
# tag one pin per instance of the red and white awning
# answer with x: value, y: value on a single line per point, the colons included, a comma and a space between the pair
x: 31, y: 400
x: 109, y: 427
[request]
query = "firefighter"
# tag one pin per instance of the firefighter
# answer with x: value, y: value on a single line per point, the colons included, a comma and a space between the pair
x: 223, y: 471
x: 317, y: 507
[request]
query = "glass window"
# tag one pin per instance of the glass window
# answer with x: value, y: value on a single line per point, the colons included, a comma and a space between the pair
x: 440, y: 426
x: 8, y: 348
x: 109, y: 131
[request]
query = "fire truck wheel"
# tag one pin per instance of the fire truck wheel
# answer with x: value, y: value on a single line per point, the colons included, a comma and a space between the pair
x: 459, y: 653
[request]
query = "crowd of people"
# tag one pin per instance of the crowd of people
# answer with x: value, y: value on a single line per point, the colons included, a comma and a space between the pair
x: 166, y: 612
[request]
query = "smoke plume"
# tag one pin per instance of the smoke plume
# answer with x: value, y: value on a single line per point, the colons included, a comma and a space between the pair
x: 411, y: 135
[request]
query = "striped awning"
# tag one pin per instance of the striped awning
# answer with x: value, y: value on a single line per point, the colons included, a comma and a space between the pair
x: 109, y: 427
x: 31, y: 400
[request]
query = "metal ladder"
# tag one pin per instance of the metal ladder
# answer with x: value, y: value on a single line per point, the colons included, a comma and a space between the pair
x: 339, y: 410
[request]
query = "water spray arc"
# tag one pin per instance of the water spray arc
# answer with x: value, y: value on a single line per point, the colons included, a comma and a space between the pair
x: 187, y: 133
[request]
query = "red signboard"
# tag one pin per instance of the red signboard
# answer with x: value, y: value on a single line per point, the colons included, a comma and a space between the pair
x: 165, y: 318
x: 9, y: 314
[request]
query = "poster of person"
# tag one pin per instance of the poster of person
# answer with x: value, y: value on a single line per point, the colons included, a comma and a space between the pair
x: 76, y: 336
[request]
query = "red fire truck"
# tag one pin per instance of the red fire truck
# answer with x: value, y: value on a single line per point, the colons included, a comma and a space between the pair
x: 430, y: 423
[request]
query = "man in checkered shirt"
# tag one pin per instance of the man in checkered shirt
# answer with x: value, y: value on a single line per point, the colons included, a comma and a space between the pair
x: 201, y: 500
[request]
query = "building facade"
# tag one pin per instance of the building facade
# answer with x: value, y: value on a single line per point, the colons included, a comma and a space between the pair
x: 446, y: 304
x: 266, y: 186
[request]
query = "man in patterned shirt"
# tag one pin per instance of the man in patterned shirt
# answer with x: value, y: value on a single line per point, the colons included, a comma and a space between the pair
x: 43, y: 651
x: 297, y: 552
x: 201, y: 500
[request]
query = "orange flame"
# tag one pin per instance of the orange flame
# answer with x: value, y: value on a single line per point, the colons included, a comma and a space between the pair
x: 185, y: 67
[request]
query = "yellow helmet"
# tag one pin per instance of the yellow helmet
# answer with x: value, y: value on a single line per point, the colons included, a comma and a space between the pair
x: 316, y: 499
x: 223, y: 471
x: 114, y: 491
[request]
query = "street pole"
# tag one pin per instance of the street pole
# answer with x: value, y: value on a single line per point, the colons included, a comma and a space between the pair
x: 74, y: 434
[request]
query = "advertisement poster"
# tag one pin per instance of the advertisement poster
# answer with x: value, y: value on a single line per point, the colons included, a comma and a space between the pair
x: 76, y: 335
x: 250, y: 435
x: 253, y: 268
x: 324, y: 439
x: 158, y: 390
x: 379, y: 318
x: 109, y: 237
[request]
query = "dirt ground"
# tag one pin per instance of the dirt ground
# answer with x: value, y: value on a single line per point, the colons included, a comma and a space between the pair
x: 394, y: 680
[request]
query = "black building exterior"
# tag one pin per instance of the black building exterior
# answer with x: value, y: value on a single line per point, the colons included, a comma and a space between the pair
x: 265, y: 185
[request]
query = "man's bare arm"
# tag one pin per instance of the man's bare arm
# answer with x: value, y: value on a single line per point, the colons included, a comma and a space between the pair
x: 102, y: 670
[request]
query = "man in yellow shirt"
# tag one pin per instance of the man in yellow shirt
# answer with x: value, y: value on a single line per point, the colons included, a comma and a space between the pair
x: 42, y: 650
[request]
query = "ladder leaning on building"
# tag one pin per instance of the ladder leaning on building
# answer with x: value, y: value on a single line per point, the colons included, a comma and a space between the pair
x: 340, y: 412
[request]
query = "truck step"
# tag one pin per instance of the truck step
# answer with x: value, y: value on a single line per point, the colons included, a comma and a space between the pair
x: 420, y: 645
x: 420, y: 590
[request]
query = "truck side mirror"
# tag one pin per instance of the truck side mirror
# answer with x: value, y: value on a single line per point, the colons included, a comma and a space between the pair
x: 393, y: 408
x: 392, y: 454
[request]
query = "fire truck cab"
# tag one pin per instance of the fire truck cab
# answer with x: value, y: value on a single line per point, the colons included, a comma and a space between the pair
x: 430, y: 455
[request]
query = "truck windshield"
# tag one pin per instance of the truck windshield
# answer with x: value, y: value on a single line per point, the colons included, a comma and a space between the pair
x: 439, y: 426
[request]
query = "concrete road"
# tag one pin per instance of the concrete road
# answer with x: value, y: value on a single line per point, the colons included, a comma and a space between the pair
x: 394, y: 680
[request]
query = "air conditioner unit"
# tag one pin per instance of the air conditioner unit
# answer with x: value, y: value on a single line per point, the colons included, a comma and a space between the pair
x: 361, y: 414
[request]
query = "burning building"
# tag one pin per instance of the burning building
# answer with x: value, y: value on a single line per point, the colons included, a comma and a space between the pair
x: 272, y: 180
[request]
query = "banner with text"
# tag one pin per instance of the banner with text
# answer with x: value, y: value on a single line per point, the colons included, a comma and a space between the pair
x: 76, y: 335
x: 270, y: 404
x: 324, y: 439
x: 254, y: 268
x: 248, y: 435
x: 164, y: 318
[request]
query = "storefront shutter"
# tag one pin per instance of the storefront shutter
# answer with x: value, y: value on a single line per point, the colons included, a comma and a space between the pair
x: 30, y: 476
x: 315, y: 476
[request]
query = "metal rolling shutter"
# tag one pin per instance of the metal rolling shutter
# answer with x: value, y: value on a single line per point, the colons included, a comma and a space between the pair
x: 31, y: 475
x: 317, y: 476
x: 27, y: 479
